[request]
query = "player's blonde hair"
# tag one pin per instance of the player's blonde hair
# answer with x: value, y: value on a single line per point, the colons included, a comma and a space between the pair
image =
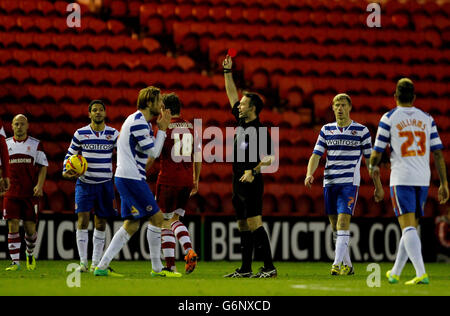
x: 146, y: 95
x: 342, y: 96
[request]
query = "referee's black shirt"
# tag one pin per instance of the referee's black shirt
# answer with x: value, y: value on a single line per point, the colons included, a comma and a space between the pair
x: 243, y: 143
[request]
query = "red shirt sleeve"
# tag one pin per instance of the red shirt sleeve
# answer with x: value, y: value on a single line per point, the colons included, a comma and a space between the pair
x: 4, y: 156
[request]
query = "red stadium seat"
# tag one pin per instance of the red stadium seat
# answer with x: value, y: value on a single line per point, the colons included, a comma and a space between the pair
x: 53, y: 150
x: 118, y: 9
x: 235, y: 14
x: 251, y: 15
x: 218, y: 14
x: 184, y: 12
x: 45, y: 7
x: 422, y: 22
x: 116, y: 27
x: 134, y: 8
x: 22, y: 56
x: 8, y: 23
x: 21, y: 74
x: 166, y: 10
x: 10, y: 6
x: 304, y: 205
x: 147, y: 11
x: 151, y: 45
x: 286, y: 205
x: 200, y: 13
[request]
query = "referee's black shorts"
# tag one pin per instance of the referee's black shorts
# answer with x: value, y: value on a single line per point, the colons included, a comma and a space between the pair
x: 248, y: 197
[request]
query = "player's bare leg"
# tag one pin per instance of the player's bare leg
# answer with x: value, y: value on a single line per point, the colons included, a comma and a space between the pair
x: 98, y: 241
x: 14, y: 243
x: 83, y: 239
x: 333, y: 222
x: 30, y: 239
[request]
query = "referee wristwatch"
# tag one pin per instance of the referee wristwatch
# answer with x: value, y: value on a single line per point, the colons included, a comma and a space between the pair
x: 254, y: 172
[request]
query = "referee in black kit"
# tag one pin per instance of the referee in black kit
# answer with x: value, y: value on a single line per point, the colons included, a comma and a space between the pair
x: 248, y: 185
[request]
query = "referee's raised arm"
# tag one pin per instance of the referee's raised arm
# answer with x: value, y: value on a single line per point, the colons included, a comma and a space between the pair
x: 230, y: 87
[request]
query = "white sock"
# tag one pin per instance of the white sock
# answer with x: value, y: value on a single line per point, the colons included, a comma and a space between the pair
x: 99, y: 244
x: 413, y: 247
x: 82, y: 243
x: 343, y: 238
x: 119, y: 240
x: 154, y: 242
x: 401, y: 259
x: 347, y: 260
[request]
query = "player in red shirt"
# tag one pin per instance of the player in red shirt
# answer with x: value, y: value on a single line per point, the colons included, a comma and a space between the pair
x: 28, y: 168
x: 177, y: 181
x: 4, y: 161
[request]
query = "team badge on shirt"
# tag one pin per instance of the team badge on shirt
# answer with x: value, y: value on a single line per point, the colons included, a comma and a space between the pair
x: 134, y: 211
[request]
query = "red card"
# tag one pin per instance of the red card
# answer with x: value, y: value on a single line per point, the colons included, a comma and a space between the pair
x: 232, y: 52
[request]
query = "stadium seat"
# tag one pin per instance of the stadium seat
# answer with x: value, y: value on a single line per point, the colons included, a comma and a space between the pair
x: 213, y: 203
x: 118, y: 8
x: 45, y: 8
x: 68, y: 189
x: 195, y: 204
x: 58, y: 203
x: 286, y: 205
x: 10, y: 6
x: 304, y: 205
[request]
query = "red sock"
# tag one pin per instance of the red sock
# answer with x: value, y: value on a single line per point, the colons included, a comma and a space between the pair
x: 180, y: 230
x: 168, y: 247
x: 31, y: 243
x: 14, y: 244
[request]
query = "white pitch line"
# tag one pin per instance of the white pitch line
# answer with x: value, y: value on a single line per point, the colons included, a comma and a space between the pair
x: 320, y: 288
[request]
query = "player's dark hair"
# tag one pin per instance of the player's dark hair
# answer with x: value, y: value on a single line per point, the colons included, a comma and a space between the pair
x: 255, y: 100
x: 93, y: 102
x: 405, y: 90
x: 172, y: 102
x: 146, y: 95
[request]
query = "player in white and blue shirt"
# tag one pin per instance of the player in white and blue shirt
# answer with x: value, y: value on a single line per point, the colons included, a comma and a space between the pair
x: 94, y: 190
x: 345, y: 143
x: 411, y: 134
x: 135, y: 145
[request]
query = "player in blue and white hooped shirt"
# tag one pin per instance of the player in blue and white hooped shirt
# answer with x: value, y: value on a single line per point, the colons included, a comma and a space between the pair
x: 94, y: 190
x: 412, y: 134
x: 135, y: 145
x: 345, y: 142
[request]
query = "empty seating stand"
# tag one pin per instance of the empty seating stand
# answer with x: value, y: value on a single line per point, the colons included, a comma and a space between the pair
x: 298, y: 54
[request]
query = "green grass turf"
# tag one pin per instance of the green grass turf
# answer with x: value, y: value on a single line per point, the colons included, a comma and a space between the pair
x: 294, y: 279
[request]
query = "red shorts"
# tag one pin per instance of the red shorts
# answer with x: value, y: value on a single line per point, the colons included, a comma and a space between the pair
x: 172, y: 198
x: 25, y: 209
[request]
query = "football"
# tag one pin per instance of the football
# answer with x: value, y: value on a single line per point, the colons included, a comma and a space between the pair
x: 77, y: 163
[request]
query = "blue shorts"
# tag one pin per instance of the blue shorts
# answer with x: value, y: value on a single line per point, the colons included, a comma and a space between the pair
x: 340, y: 199
x: 409, y: 199
x: 98, y: 197
x: 137, y: 199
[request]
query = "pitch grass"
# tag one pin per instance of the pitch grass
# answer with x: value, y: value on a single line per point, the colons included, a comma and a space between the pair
x: 294, y: 279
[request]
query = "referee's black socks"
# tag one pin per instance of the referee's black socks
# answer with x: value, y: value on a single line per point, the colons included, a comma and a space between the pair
x: 261, y: 240
x: 247, y: 251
